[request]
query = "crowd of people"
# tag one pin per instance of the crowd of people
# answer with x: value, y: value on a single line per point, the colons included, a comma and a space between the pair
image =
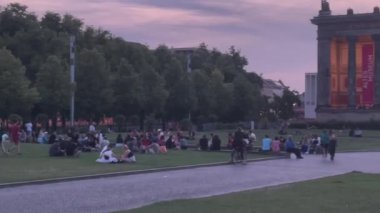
x: 158, y: 142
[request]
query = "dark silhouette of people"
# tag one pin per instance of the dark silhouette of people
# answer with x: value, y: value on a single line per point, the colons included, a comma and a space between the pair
x: 203, y: 143
x: 215, y: 143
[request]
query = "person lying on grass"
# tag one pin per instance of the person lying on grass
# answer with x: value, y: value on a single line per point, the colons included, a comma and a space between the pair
x: 107, y: 155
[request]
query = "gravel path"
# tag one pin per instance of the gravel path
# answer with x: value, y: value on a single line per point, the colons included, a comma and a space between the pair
x: 126, y: 192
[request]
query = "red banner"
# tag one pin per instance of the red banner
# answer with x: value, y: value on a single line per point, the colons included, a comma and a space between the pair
x: 368, y: 74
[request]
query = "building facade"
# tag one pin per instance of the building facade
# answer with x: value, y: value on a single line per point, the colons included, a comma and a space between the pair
x: 348, y: 78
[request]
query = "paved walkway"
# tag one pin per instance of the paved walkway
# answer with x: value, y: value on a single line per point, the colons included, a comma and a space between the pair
x: 126, y: 192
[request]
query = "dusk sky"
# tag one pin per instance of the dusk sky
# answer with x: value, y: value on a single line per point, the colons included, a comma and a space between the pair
x: 276, y: 36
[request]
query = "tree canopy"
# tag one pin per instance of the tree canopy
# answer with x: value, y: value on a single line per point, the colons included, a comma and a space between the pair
x: 115, y: 77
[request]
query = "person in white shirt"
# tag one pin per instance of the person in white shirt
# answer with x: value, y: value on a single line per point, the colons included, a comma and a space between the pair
x: 107, y: 155
x: 29, y: 132
x: 91, y: 128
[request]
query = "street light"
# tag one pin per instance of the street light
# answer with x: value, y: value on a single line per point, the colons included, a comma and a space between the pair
x: 72, y: 78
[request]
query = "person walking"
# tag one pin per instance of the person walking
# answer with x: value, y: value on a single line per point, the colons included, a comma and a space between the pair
x: 14, y: 131
x: 332, y: 146
x: 325, y: 143
x: 238, y: 146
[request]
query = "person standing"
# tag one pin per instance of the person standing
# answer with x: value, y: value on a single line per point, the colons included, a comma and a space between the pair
x: 15, y: 135
x: 238, y: 146
x: 29, y: 132
x: 332, y: 146
x: 325, y: 143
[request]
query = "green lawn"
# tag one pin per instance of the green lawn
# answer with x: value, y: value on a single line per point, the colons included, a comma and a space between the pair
x: 354, y: 192
x: 34, y: 163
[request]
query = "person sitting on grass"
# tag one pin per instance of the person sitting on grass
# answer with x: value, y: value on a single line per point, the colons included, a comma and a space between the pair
x: 107, y: 155
x: 276, y: 145
x: 119, y: 139
x: 64, y: 148
x: 71, y: 148
x: 215, y: 143
x: 127, y: 155
x: 266, y: 144
x: 290, y: 147
x: 153, y: 148
x: 56, y: 150
x: 170, y: 143
x: 203, y: 143
x: 183, y: 143
x: 145, y: 144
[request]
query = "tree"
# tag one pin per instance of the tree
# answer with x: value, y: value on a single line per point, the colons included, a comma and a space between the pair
x: 154, y: 94
x: 53, y: 84
x: 71, y: 25
x: 246, y: 96
x: 163, y: 58
x: 286, y: 104
x: 127, y: 89
x: 203, y: 93
x: 94, y: 94
x: 222, y: 98
x: 51, y: 21
x: 181, y: 100
x: 16, y: 95
x: 14, y: 18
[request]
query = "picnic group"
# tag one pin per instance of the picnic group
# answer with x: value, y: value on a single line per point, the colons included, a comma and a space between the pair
x: 158, y: 141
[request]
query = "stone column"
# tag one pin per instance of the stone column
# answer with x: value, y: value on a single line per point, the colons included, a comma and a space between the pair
x: 351, y: 71
x: 323, y: 76
x: 376, y: 39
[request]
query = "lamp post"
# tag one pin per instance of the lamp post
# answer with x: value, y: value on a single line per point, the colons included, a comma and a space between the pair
x: 72, y: 79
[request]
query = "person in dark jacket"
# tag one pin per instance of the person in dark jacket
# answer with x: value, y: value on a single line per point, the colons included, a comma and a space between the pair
x: 332, y: 146
x: 239, y: 146
x: 203, y: 143
x: 290, y: 147
x: 56, y: 150
x: 215, y: 143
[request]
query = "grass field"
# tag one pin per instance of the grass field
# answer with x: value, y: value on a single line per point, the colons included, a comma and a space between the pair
x: 34, y: 163
x: 354, y: 192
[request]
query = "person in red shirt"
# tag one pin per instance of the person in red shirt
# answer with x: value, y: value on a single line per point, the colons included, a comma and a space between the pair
x: 14, y: 131
x: 145, y: 142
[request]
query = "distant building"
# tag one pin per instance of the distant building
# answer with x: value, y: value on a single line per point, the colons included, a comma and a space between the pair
x: 310, y: 98
x: 188, y: 52
x: 348, y: 79
x: 272, y: 88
